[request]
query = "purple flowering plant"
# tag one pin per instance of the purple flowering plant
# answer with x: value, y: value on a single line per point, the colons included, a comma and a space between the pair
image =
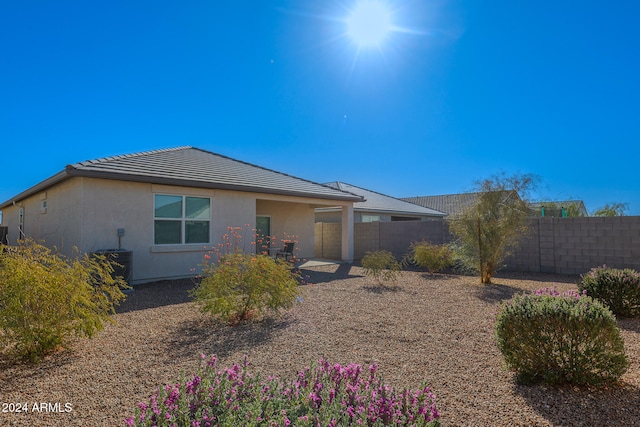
x: 323, y: 394
x: 552, y: 292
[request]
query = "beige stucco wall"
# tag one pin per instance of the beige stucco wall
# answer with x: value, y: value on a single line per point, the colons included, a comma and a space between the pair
x: 87, y: 212
x: 57, y: 224
x: 290, y: 221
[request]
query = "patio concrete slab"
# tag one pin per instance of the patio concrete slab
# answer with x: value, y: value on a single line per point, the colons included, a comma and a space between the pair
x: 317, y: 262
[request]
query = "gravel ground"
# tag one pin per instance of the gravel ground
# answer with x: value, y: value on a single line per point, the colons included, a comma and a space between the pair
x: 428, y: 328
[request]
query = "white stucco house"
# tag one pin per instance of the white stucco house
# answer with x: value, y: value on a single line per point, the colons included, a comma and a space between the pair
x: 169, y: 207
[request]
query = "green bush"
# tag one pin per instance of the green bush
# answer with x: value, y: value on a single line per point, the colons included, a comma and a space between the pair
x: 617, y: 289
x: 434, y: 258
x: 381, y: 265
x: 560, y: 338
x: 46, y: 298
x: 240, y: 286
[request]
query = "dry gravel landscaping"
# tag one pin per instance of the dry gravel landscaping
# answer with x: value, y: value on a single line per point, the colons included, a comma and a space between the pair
x: 429, y: 328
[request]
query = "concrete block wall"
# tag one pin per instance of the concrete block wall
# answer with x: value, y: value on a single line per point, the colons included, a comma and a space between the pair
x: 366, y: 238
x: 328, y: 240
x: 575, y: 245
x: 396, y: 237
x: 554, y: 245
x: 373, y: 236
x: 527, y: 256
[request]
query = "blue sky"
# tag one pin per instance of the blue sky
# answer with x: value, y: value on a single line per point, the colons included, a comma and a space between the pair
x: 459, y: 91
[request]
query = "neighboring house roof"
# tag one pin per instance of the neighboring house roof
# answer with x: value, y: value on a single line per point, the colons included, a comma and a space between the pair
x: 378, y: 202
x: 452, y: 204
x: 192, y: 167
x: 558, y: 204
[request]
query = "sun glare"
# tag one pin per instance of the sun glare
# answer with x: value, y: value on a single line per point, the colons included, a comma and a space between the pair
x: 369, y: 23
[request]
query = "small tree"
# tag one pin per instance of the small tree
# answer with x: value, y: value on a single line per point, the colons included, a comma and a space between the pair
x: 493, y: 226
x: 612, y: 209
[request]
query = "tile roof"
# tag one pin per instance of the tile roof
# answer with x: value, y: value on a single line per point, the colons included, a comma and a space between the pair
x: 452, y: 204
x: 449, y: 203
x: 382, y: 203
x: 193, y: 167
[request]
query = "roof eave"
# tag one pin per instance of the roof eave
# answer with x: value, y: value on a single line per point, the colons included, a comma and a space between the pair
x: 42, y: 186
x: 385, y: 211
x: 399, y: 212
x: 72, y: 171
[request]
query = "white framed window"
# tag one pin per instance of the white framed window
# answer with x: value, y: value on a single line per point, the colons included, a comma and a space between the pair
x: 370, y: 218
x: 181, y: 219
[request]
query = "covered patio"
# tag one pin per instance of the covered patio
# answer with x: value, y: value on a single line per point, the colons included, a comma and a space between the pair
x: 286, y: 218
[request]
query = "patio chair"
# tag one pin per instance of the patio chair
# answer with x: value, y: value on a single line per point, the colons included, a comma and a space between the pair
x: 286, y: 252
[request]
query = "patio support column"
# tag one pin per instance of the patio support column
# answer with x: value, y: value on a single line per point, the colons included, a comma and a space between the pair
x: 347, y: 233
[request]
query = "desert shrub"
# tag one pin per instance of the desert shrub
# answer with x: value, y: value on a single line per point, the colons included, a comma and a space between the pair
x: 617, y: 289
x: 434, y: 258
x: 381, y: 265
x: 321, y: 395
x: 46, y: 298
x: 560, y: 338
x: 240, y: 286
